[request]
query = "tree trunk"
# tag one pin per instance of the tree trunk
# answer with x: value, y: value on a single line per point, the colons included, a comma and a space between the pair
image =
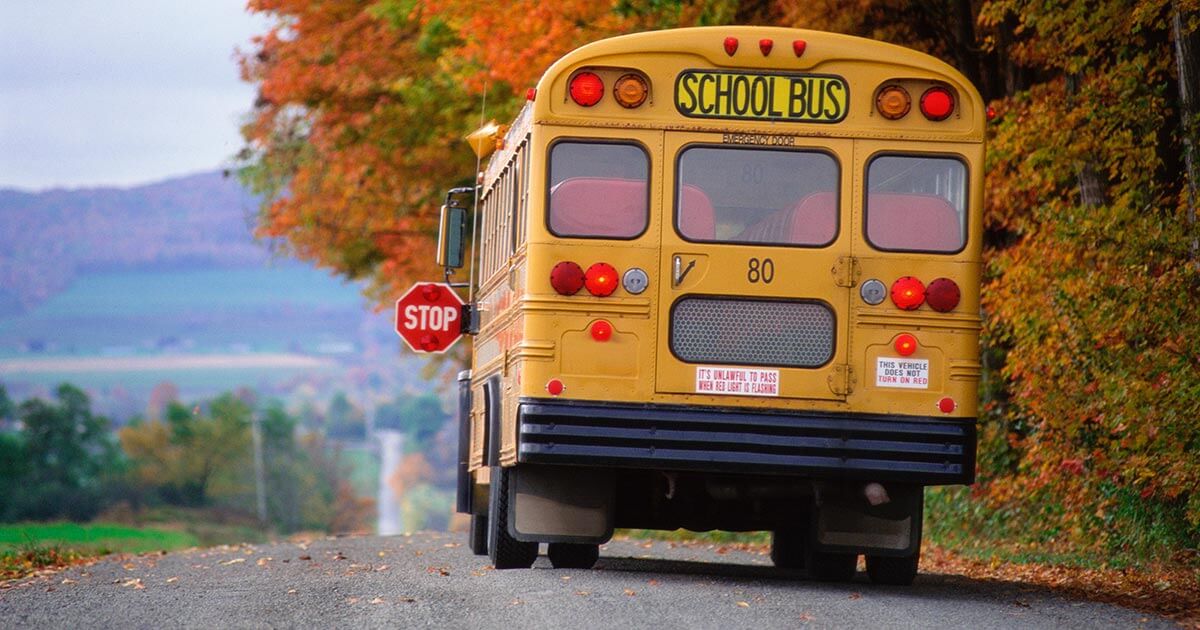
x: 1091, y: 187
x: 1186, y: 50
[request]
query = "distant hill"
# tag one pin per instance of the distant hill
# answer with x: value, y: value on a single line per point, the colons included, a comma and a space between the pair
x: 47, y: 237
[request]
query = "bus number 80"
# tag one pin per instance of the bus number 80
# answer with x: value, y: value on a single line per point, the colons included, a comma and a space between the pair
x: 761, y: 271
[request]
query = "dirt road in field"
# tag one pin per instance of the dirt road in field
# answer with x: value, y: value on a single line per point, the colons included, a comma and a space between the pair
x: 433, y: 580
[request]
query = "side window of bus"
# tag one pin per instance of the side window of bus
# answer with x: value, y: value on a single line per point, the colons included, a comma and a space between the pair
x: 916, y: 203
x: 765, y: 196
x: 598, y: 190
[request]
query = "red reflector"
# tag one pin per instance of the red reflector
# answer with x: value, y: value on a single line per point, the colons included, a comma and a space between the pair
x: 601, y: 279
x: 991, y: 113
x: 798, y: 47
x: 566, y: 278
x: 530, y: 94
x: 587, y: 89
x: 947, y: 405
x: 937, y: 103
x: 555, y: 387
x: 908, y: 293
x: 765, y: 45
x: 731, y: 45
x: 602, y: 331
x: 429, y: 342
x: 906, y: 344
x: 942, y: 295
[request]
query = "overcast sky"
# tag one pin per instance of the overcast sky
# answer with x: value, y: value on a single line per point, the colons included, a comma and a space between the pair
x: 120, y: 92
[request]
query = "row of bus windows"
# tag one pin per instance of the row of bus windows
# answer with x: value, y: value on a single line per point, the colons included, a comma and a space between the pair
x: 503, y: 209
x: 763, y: 196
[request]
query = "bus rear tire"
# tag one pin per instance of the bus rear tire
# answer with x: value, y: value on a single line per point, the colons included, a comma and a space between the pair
x: 503, y: 550
x: 832, y: 567
x: 477, y: 535
x: 573, y: 555
x: 896, y: 571
x: 787, y: 549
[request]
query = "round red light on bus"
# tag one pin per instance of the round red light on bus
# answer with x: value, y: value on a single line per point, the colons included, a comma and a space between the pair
x: 587, y: 88
x: 601, y: 279
x: 937, y: 103
x: 905, y: 345
x: 731, y: 45
x: 602, y: 330
x: 942, y: 295
x: 555, y: 387
x: 947, y: 405
x: 908, y: 293
x: 567, y: 278
x: 630, y: 91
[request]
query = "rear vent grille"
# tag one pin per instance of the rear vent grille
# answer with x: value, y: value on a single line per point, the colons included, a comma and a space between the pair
x: 752, y: 332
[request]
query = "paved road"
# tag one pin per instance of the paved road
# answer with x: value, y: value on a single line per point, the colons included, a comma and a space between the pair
x: 433, y: 580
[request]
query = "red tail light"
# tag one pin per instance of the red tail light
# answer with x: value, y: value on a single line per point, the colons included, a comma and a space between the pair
x: 942, y: 295
x: 587, y: 88
x: 601, y: 279
x: 566, y: 278
x: 908, y: 293
x: 905, y: 345
x: 937, y: 103
x: 602, y: 330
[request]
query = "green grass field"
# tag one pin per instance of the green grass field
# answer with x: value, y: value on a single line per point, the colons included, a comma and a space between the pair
x: 94, y: 538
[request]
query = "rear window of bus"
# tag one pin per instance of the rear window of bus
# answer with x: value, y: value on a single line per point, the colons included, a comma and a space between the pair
x: 916, y: 203
x: 598, y: 190
x: 762, y: 196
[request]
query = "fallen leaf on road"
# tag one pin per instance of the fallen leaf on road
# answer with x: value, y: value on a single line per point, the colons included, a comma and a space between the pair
x: 653, y: 582
x: 382, y: 567
x: 128, y: 566
x: 855, y: 595
x: 233, y: 561
x: 408, y: 600
x: 438, y: 570
x: 1021, y: 603
x: 135, y: 583
x: 452, y: 545
x: 648, y: 544
x: 630, y: 592
x: 352, y: 600
x: 804, y: 616
x: 743, y: 605
x: 565, y: 578
x: 377, y: 600
x: 382, y: 554
x: 516, y: 602
x: 306, y: 557
x: 583, y: 593
x: 67, y: 581
x: 339, y: 556
x: 722, y: 550
x: 262, y: 562
x: 172, y: 580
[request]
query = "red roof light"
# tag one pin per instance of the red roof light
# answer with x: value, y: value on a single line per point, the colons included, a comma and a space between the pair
x: 731, y: 45
x: 587, y: 88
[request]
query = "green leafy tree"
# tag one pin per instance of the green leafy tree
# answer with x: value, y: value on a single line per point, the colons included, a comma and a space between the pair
x: 418, y: 417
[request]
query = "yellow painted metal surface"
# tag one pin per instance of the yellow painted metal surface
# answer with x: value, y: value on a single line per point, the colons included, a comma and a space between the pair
x: 530, y: 334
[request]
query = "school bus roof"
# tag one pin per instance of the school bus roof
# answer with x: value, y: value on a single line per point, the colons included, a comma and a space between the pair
x: 662, y: 55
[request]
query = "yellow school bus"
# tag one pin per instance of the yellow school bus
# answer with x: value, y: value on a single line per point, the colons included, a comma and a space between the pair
x: 724, y: 278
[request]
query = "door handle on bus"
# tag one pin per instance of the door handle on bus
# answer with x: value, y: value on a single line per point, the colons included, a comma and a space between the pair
x: 681, y: 272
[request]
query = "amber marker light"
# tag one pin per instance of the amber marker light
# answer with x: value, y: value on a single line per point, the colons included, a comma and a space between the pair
x: 602, y: 330
x: 908, y: 293
x: 937, y: 103
x: 630, y: 91
x: 587, y: 88
x: 893, y: 102
x: 906, y: 345
x: 601, y: 279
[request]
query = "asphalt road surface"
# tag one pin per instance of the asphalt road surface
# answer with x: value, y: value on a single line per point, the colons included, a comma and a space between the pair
x: 433, y: 580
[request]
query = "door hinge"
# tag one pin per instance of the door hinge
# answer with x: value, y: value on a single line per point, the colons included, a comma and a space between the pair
x: 846, y: 271
x: 841, y: 380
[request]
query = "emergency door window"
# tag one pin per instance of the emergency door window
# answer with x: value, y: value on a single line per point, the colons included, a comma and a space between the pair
x: 598, y: 190
x: 763, y: 196
x: 916, y: 203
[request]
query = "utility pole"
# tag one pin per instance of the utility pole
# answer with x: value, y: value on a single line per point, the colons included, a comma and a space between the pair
x: 260, y: 489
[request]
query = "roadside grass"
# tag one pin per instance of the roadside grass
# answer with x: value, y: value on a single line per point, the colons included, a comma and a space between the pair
x: 28, y: 547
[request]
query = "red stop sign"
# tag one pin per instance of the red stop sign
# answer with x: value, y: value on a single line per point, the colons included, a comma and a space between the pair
x: 429, y: 317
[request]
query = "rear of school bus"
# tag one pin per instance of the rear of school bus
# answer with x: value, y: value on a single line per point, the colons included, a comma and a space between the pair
x: 748, y: 299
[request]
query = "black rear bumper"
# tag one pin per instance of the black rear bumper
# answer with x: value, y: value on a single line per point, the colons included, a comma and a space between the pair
x: 927, y: 451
